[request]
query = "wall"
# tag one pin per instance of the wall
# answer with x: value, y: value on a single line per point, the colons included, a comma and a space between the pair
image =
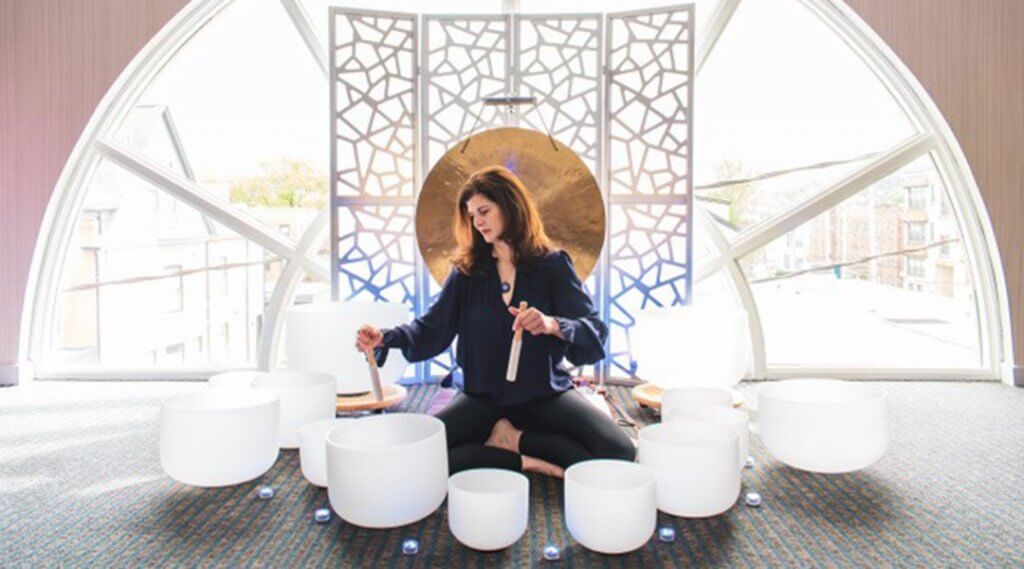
x: 58, y: 58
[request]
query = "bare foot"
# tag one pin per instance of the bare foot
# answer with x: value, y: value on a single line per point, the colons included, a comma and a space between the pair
x: 504, y: 435
x: 531, y: 464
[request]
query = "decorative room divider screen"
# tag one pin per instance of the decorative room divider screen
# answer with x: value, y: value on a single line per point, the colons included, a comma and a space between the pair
x: 617, y: 89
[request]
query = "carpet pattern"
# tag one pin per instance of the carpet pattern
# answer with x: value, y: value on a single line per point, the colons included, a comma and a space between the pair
x: 81, y: 485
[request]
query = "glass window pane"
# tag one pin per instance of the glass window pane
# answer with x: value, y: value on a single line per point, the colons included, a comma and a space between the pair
x: 242, y: 109
x: 856, y: 286
x: 785, y: 106
x: 149, y: 280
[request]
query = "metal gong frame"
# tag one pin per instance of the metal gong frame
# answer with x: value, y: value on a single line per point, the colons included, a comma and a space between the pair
x: 616, y: 88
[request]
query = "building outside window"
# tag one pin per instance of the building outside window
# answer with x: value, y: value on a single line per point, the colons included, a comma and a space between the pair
x: 175, y: 288
x: 915, y: 267
x: 917, y: 232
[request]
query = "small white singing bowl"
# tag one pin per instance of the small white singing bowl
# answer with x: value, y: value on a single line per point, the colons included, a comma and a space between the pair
x: 387, y: 471
x: 219, y: 437
x: 823, y: 425
x: 306, y: 396
x: 678, y: 398
x: 610, y: 505
x: 696, y: 464
x: 735, y: 420
x: 488, y: 508
x: 313, y: 450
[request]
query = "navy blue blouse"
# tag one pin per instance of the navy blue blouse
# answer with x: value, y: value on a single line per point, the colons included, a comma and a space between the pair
x: 471, y: 307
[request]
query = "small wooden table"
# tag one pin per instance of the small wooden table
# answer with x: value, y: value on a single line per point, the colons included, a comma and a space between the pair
x: 649, y: 395
x: 393, y: 395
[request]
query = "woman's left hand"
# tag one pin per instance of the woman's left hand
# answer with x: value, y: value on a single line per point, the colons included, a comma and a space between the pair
x: 534, y: 321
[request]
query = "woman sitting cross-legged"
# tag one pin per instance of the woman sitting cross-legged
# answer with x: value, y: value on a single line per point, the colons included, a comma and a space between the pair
x: 537, y: 423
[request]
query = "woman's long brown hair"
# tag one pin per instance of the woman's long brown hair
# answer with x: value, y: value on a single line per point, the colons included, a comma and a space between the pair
x: 524, y: 230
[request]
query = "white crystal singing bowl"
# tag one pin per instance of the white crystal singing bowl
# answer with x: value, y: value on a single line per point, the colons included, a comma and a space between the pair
x: 306, y: 396
x: 233, y: 379
x: 388, y: 470
x: 691, y: 345
x: 823, y: 425
x: 488, y: 508
x: 677, y: 399
x: 322, y: 337
x: 696, y: 464
x: 313, y: 450
x: 219, y: 437
x: 733, y: 419
x: 610, y: 505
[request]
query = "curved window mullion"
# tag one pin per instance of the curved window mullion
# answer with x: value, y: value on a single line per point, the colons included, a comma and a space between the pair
x: 268, y: 348
x: 757, y: 347
x: 708, y: 36
x: 304, y: 26
x: 784, y: 222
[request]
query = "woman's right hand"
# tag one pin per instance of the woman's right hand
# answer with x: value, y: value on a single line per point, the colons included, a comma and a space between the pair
x: 368, y: 338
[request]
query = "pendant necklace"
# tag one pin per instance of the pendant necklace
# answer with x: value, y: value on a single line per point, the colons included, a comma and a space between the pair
x: 505, y: 287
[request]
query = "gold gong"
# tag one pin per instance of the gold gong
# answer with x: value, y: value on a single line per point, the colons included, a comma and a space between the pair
x: 561, y: 185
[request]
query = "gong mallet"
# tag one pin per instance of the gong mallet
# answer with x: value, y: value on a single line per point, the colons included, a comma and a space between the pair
x: 517, y: 348
x: 378, y: 391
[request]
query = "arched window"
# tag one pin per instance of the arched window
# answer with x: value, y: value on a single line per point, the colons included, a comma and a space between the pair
x: 832, y: 201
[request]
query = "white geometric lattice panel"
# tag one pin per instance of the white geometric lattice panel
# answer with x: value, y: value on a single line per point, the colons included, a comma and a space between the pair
x: 374, y: 104
x: 649, y: 92
x: 650, y: 251
x: 557, y: 59
x: 467, y: 59
x: 377, y: 254
x: 559, y: 62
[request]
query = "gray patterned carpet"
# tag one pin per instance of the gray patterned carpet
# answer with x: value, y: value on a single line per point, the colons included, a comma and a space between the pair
x: 80, y: 485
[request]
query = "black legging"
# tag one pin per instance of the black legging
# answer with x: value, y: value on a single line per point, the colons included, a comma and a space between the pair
x: 562, y: 429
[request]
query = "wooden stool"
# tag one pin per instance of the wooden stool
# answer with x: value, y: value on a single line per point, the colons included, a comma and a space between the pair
x: 393, y: 395
x: 649, y: 395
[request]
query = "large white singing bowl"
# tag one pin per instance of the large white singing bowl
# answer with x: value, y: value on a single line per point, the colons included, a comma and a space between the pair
x: 313, y: 450
x: 697, y: 466
x: 691, y: 345
x: 738, y: 422
x: 823, y: 425
x: 219, y: 437
x: 306, y: 396
x: 388, y: 470
x: 610, y: 505
x: 488, y: 508
x: 322, y: 337
x: 678, y: 399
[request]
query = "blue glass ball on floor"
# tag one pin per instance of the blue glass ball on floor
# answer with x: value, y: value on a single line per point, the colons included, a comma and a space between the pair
x: 552, y: 553
x: 266, y: 492
x: 666, y: 534
x: 753, y: 499
x: 410, y: 547
x: 322, y: 515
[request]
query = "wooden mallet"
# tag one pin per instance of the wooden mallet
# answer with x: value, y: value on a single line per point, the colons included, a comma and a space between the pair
x: 517, y: 348
x: 378, y: 391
